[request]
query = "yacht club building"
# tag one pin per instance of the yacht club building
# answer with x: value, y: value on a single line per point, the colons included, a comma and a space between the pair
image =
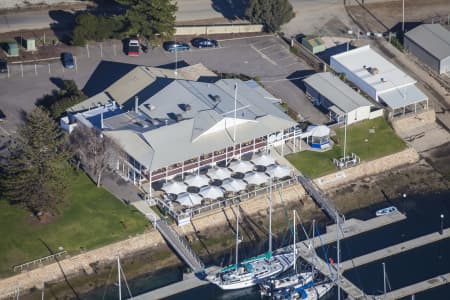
x: 182, y: 124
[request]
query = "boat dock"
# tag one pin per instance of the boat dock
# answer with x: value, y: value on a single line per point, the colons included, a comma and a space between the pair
x: 190, y: 281
x: 416, y: 287
x: 395, y: 249
x: 319, y: 197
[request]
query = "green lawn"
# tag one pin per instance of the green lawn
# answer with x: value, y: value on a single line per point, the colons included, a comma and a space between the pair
x: 91, y: 217
x: 360, y: 140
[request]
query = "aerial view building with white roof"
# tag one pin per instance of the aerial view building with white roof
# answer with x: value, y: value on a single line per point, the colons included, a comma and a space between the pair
x: 380, y: 79
x: 180, y: 125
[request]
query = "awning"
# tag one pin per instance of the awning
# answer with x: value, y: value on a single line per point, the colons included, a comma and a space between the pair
x: 211, y: 192
x: 174, y: 187
x: 256, y: 178
x: 219, y: 173
x: 263, y: 160
x: 402, y: 97
x: 241, y: 166
x: 234, y: 185
x: 196, y: 180
x: 278, y: 171
x: 189, y: 199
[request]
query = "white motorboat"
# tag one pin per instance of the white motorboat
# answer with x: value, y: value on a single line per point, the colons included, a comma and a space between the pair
x: 386, y: 211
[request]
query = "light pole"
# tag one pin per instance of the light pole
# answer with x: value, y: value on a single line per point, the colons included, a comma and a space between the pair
x: 442, y: 224
x: 403, y: 16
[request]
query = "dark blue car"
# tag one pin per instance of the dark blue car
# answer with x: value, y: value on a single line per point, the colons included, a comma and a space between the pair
x: 204, y: 43
x: 67, y: 60
x: 175, y: 46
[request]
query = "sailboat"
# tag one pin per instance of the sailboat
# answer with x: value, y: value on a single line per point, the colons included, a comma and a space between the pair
x: 309, y: 290
x: 252, y: 271
x: 302, y: 279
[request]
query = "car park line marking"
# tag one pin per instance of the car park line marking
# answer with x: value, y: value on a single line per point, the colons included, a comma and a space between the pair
x: 4, y: 130
x: 263, y: 55
x: 264, y: 48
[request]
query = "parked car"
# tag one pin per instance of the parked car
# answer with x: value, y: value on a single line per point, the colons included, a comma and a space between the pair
x: 175, y: 46
x: 133, y: 47
x: 204, y: 43
x: 3, y: 66
x: 67, y: 60
x: 2, y: 116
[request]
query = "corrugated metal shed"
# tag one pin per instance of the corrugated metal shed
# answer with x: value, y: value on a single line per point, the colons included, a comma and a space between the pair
x: 332, y: 88
x: 315, y: 45
x: 434, y: 38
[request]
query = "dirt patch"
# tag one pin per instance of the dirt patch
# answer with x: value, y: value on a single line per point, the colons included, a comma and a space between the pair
x: 414, y: 179
x: 380, y: 17
x: 48, y: 45
x: 439, y: 158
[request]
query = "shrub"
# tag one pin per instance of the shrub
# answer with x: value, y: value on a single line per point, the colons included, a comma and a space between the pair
x: 97, y: 28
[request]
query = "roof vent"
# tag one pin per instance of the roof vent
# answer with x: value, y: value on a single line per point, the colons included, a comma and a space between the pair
x: 178, y: 117
x: 382, y: 79
x: 373, y: 71
x: 150, y: 107
x: 142, y: 124
x: 214, y: 98
x: 185, y: 107
x: 155, y: 122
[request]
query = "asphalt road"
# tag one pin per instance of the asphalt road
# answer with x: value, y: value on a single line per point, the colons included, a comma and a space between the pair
x: 311, y: 15
x: 266, y: 57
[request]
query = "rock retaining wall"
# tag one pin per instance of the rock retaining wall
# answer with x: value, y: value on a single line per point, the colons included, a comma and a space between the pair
x: 368, y: 168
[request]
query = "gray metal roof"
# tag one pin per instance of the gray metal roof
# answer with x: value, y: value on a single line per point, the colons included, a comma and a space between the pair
x: 207, y: 126
x: 402, y: 97
x: 434, y: 38
x: 335, y: 90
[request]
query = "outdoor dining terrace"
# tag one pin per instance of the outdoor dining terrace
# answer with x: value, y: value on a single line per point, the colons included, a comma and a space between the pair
x: 190, y: 195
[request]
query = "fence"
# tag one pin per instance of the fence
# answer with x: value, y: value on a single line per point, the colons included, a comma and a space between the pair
x: 184, y: 216
x: 217, y: 29
x: 37, y: 262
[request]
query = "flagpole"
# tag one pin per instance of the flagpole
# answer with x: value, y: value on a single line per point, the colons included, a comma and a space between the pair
x: 235, y: 111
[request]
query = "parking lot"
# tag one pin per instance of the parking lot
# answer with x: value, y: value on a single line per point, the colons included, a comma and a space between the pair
x: 267, y: 57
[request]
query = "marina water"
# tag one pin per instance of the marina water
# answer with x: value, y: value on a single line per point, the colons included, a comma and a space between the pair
x: 423, y: 217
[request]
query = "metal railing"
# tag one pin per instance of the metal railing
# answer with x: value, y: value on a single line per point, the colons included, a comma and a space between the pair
x: 37, y: 262
x: 192, y: 212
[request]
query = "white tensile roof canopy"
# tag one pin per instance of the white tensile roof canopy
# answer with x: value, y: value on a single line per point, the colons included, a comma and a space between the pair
x: 174, y: 187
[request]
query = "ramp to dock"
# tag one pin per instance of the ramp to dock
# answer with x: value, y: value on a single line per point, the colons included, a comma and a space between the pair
x: 319, y: 197
x: 180, y: 245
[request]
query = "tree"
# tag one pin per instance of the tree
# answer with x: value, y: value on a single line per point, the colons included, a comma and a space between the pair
x: 95, y: 151
x: 34, y: 170
x: 59, y: 101
x: 96, y: 28
x: 152, y: 19
x: 271, y: 13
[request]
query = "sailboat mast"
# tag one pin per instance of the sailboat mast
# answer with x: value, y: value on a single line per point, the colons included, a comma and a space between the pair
x: 120, y: 283
x: 295, y: 249
x: 235, y: 113
x: 270, y: 216
x: 338, y: 244
x: 384, y: 280
x: 237, y: 237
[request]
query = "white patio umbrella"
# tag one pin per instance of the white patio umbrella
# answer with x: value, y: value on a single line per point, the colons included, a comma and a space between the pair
x: 219, y: 173
x: 189, y: 199
x: 174, y: 187
x: 278, y: 171
x: 241, y: 166
x: 197, y: 180
x: 211, y: 192
x: 263, y: 160
x: 234, y: 185
x: 256, y: 178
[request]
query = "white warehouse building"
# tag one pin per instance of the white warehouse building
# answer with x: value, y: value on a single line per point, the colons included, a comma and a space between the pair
x: 381, y: 80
